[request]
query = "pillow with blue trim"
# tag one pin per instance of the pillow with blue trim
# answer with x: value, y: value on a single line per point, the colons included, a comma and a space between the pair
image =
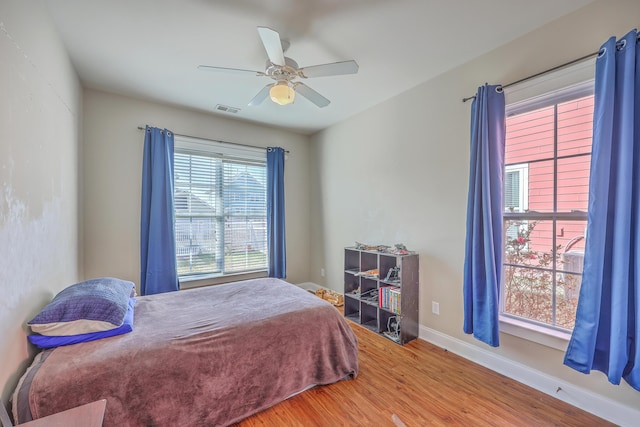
x: 92, y: 306
x: 44, y: 341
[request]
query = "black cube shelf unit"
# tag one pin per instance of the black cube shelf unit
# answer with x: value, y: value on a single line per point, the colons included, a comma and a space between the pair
x: 366, y: 297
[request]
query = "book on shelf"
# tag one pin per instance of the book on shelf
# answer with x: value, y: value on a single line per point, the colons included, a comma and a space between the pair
x: 394, y: 300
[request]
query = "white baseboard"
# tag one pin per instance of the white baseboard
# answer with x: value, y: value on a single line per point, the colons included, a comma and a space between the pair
x: 596, y: 404
x: 309, y: 286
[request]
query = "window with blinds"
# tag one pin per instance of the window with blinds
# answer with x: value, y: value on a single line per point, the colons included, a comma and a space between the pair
x: 220, y: 208
x: 547, y: 157
x: 512, y: 190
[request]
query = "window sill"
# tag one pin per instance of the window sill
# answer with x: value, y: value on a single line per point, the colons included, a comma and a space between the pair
x: 538, y: 334
x: 189, y: 282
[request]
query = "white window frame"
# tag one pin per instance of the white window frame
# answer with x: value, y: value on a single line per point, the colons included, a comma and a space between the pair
x: 197, y: 146
x: 570, y: 82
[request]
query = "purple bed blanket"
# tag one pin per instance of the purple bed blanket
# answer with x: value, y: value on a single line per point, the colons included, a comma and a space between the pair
x: 202, y: 357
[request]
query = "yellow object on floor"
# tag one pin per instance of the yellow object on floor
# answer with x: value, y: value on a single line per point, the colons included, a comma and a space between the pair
x: 334, y: 298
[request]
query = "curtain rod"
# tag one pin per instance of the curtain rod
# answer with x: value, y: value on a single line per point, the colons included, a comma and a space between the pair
x: 216, y: 140
x: 541, y: 73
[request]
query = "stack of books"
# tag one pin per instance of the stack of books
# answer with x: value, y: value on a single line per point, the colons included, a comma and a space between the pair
x: 389, y: 298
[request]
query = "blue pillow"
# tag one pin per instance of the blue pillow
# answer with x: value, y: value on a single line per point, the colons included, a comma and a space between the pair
x: 44, y: 341
x: 91, y: 306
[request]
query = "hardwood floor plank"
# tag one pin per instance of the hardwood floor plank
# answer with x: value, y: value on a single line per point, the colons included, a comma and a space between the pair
x: 419, y: 384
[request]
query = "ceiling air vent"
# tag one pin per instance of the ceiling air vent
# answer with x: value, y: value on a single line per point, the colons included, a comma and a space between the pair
x: 227, y: 109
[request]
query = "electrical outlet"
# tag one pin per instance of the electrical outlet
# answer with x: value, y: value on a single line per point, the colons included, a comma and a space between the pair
x: 435, y: 307
x: 322, y: 272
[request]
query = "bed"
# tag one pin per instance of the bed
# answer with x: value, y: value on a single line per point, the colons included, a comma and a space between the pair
x: 207, y: 356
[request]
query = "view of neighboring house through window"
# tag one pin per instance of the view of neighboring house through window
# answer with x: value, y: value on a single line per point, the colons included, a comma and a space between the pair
x: 546, y: 187
x: 220, y: 208
x: 516, y: 195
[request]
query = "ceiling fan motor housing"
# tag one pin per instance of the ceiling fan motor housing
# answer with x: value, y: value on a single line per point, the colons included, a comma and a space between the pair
x: 282, y: 72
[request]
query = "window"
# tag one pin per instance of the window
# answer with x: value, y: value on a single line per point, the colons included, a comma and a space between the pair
x: 546, y: 187
x: 220, y: 208
x: 516, y: 194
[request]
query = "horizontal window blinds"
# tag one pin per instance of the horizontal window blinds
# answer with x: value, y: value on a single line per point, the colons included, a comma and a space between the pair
x: 220, y: 208
x: 245, y: 226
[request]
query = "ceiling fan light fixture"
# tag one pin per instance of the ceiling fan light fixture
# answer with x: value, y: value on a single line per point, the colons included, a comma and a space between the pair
x: 282, y: 93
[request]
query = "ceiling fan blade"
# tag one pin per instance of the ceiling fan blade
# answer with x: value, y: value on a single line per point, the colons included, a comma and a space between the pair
x: 311, y: 95
x: 333, y: 69
x: 260, y: 96
x: 229, y: 70
x: 272, y: 44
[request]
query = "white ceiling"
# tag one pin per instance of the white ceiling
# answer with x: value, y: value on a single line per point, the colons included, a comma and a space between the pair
x: 151, y: 48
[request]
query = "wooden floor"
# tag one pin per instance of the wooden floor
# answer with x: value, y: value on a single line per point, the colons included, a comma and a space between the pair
x: 419, y: 384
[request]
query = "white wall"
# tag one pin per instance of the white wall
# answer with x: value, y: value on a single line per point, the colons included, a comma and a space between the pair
x: 40, y: 116
x: 112, y: 163
x: 399, y: 173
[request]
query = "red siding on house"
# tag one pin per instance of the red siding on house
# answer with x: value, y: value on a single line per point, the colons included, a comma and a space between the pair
x: 529, y: 136
x: 575, y: 126
x: 529, y: 140
x: 541, y: 186
x: 573, y: 183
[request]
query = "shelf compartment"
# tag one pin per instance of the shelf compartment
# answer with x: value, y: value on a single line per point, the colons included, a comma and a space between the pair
x: 352, y: 260
x: 368, y: 261
x: 387, y: 262
x: 385, y: 315
x: 369, y: 316
x: 368, y: 284
x: 351, y: 283
x: 352, y: 308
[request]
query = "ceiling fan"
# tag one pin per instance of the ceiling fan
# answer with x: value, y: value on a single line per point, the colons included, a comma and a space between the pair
x: 285, y: 70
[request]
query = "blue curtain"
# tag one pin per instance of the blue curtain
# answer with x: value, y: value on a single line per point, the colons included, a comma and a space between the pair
x: 158, y: 268
x: 605, y: 336
x: 275, y: 213
x: 483, y: 249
